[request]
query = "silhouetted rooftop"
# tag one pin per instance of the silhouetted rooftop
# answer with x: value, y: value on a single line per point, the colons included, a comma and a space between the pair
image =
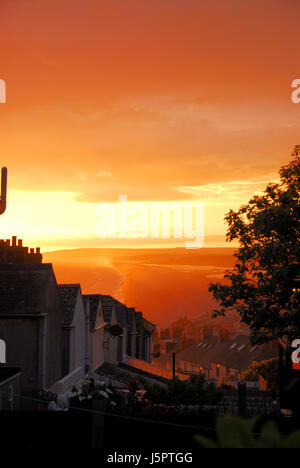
x: 13, y: 252
x: 68, y: 294
x: 124, y: 374
x: 107, y: 307
x: 236, y: 353
x: 23, y: 288
x: 95, y: 307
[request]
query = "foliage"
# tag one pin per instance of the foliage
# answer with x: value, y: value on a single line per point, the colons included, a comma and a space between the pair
x: 226, y: 387
x: 178, y: 392
x: 234, y: 432
x: 89, y: 391
x: 262, y: 287
x: 133, y: 386
x: 268, y: 369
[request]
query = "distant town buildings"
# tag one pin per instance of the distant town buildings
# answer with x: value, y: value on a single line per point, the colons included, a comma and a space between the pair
x: 223, y: 359
x: 218, y: 353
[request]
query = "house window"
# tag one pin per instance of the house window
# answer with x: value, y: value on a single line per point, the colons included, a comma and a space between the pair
x: 106, y: 344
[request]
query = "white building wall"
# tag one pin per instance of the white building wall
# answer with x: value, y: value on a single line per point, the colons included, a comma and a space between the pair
x: 110, y: 348
x: 77, y: 336
x: 98, y: 351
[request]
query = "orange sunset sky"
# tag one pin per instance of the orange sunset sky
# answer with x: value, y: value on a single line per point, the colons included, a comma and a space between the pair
x: 162, y: 100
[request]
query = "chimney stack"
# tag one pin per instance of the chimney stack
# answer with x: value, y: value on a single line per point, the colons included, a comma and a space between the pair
x: 13, y: 252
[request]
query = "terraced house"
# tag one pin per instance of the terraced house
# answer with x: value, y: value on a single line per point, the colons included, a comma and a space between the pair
x: 221, y: 358
x: 54, y: 334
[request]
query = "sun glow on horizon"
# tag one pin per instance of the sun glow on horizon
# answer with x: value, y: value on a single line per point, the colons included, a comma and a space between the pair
x: 97, y: 105
x: 56, y: 220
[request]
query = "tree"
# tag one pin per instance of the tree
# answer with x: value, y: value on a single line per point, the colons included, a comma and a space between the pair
x: 234, y: 432
x: 178, y: 392
x: 263, y: 285
x: 268, y: 369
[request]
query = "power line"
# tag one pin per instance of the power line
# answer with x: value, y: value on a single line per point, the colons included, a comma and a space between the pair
x: 122, y: 416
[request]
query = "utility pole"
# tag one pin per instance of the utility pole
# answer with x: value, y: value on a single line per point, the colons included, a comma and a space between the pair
x: 173, y: 365
x: 3, y: 190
